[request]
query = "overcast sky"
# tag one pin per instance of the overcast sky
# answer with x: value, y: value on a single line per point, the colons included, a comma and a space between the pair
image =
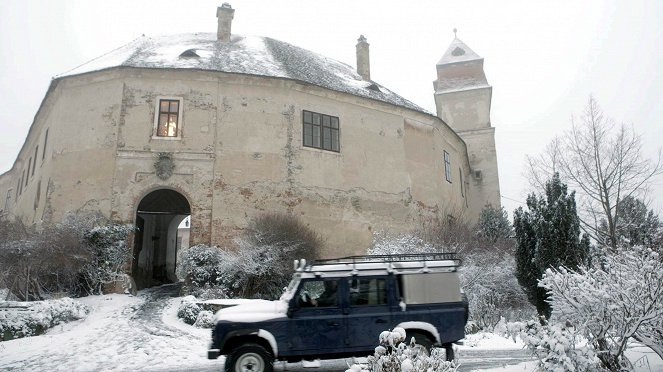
x: 543, y: 59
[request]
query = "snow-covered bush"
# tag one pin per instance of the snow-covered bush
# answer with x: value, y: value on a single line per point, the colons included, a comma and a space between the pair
x: 74, y: 257
x: 492, y: 289
x: 384, y: 243
x: 487, y: 274
x: 613, y: 304
x: 395, y: 354
x: 108, y: 254
x: 188, y: 310
x: 205, y: 319
x: 23, y: 319
x: 258, y: 267
x: 201, y: 266
x: 558, y: 347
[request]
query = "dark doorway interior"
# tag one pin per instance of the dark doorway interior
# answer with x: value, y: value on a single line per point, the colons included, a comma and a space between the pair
x: 156, y: 240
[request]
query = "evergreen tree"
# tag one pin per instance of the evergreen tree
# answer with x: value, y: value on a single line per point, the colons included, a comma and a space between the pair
x: 548, y: 235
x: 494, y: 223
x: 635, y: 224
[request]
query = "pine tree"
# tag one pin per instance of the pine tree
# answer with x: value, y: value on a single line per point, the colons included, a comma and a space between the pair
x: 494, y: 223
x: 548, y: 235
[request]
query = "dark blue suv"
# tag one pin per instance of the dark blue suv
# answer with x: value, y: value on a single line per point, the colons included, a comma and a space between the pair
x: 338, y: 308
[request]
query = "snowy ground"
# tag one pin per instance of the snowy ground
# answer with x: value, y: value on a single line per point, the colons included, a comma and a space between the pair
x: 126, y: 333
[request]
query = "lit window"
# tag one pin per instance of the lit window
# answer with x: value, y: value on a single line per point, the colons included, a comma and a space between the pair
x: 447, y: 167
x: 321, y: 131
x: 169, y: 112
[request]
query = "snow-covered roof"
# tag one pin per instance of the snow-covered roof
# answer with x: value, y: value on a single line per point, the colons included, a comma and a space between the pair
x: 252, y: 55
x: 458, y: 52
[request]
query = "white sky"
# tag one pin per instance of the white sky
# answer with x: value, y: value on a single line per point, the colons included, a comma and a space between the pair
x: 543, y: 59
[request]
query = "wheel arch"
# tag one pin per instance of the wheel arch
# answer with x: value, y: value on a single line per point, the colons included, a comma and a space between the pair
x: 422, y: 328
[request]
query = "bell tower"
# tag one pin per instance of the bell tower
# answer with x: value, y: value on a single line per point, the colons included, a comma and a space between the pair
x: 462, y: 98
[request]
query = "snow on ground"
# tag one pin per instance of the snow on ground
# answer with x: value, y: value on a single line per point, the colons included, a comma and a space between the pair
x: 114, y: 337
x: 127, y: 333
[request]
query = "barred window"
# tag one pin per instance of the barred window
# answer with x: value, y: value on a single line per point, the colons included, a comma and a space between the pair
x: 321, y: 131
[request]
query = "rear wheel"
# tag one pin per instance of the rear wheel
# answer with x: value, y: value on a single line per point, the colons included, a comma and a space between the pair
x: 249, y: 358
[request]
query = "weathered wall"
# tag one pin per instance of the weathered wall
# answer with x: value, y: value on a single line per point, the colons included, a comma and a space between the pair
x: 241, y: 155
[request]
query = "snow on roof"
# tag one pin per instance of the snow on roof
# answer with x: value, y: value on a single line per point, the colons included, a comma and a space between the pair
x: 458, y: 52
x: 252, y: 55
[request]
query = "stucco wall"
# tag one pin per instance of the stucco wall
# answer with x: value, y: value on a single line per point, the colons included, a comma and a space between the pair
x: 241, y: 155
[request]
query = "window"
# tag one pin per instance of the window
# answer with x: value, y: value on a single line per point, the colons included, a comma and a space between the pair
x: 460, y: 177
x: 28, y: 175
x: 447, y: 167
x: 318, y: 293
x: 43, y: 154
x: 20, y: 189
x: 34, y: 165
x: 321, y: 131
x: 367, y: 291
x: 8, y: 199
x: 167, y: 118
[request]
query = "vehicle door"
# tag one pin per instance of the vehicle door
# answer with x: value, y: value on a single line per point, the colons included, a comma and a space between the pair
x: 369, y: 312
x: 317, y: 322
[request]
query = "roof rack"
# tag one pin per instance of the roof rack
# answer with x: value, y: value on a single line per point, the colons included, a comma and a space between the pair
x: 401, y: 263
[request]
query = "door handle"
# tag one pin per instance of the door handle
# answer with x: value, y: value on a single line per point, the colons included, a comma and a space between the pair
x: 333, y: 324
x: 380, y: 321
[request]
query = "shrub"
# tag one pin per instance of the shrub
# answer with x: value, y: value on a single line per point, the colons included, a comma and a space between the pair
x: 396, y: 355
x: 188, y: 310
x: 201, y: 266
x: 72, y: 257
x: 20, y: 319
x: 558, y: 347
x: 205, y: 319
x: 108, y: 254
x: 487, y: 273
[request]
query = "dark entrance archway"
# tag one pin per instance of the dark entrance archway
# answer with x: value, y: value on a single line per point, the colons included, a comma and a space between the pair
x: 156, y: 241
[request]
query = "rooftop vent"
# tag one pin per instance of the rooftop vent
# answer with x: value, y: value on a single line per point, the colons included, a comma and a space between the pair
x: 189, y: 53
x: 458, y: 52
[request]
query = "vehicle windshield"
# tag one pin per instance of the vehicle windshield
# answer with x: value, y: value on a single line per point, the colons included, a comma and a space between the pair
x: 292, y: 287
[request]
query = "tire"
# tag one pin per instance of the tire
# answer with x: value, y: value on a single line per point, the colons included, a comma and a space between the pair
x: 423, y: 343
x: 249, y: 358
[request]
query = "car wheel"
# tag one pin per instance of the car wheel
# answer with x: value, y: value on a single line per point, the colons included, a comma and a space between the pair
x: 249, y: 358
x: 422, y: 343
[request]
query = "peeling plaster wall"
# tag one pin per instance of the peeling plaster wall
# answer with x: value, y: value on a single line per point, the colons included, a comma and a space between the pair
x: 241, y: 155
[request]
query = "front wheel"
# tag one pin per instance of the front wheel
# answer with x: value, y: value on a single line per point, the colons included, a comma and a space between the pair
x: 249, y: 358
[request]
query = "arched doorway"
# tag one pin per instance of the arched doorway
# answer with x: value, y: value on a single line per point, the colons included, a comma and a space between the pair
x: 156, y: 242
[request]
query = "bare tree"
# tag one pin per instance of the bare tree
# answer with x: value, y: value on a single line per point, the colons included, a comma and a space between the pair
x: 604, y: 163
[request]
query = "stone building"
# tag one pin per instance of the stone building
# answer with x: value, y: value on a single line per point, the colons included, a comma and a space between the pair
x: 224, y: 127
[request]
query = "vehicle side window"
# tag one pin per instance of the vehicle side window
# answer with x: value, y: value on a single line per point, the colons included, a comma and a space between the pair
x: 318, y: 293
x: 367, y: 291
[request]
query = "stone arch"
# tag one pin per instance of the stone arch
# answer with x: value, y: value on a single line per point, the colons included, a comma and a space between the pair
x: 156, y: 242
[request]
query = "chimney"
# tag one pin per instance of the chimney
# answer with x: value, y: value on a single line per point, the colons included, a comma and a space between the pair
x: 225, y: 15
x: 363, y: 60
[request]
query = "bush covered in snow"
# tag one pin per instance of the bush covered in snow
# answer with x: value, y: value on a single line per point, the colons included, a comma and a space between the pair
x: 558, y: 347
x: 396, y: 355
x: 487, y: 273
x: 614, y: 304
x: 74, y: 257
x: 260, y: 265
x: 22, y: 319
x: 108, y: 255
x: 188, y: 310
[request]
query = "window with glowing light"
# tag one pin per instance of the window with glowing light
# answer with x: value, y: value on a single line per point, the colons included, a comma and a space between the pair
x: 168, y: 118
